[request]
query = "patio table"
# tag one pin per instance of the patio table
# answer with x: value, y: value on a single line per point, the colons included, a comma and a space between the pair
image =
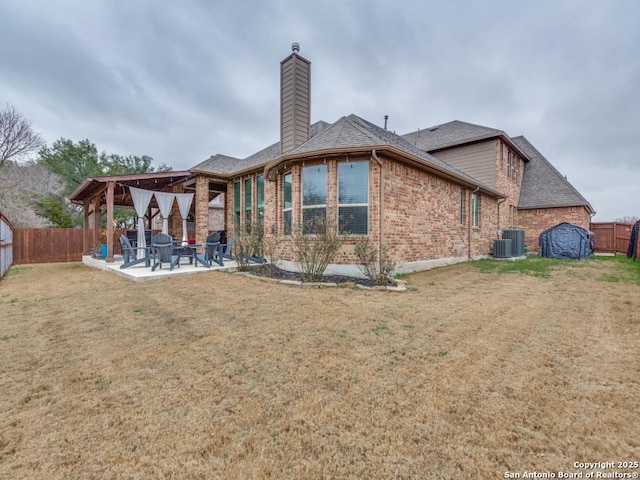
x: 192, y: 252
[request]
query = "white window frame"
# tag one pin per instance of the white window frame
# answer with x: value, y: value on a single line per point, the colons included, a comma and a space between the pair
x: 284, y: 208
x: 314, y: 206
x: 475, y: 210
x: 346, y: 205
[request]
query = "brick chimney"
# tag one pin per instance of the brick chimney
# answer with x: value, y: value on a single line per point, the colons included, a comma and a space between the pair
x: 295, y: 100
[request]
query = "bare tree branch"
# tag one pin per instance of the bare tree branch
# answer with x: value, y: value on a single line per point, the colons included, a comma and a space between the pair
x: 17, y: 139
x: 21, y: 186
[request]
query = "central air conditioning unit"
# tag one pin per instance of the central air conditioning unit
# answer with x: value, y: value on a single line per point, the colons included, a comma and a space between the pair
x: 502, y: 248
x: 517, y: 241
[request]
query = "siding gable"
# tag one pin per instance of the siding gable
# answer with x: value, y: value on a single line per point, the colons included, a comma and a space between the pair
x: 477, y: 160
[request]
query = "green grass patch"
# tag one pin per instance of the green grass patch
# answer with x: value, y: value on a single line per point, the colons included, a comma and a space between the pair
x: 626, y: 270
x: 74, y: 266
x: 380, y: 329
x: 610, y: 278
x: 16, y: 271
x: 535, y: 266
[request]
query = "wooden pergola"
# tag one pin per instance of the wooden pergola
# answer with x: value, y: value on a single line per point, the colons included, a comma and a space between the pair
x: 104, y: 193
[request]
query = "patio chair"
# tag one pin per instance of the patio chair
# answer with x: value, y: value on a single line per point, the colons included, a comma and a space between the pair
x: 164, y: 251
x: 212, y: 250
x: 226, y: 249
x: 131, y: 255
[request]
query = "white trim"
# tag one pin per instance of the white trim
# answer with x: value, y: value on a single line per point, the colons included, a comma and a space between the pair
x: 421, y: 265
x: 352, y: 270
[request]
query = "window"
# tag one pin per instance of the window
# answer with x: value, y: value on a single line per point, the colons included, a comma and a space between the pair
x: 260, y: 201
x: 314, y: 197
x: 247, y: 204
x: 513, y: 166
x: 463, y: 202
x: 475, y: 210
x: 353, y: 198
x: 236, y: 204
x: 287, y: 196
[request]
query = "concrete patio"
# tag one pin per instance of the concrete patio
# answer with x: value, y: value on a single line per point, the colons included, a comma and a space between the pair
x: 140, y: 273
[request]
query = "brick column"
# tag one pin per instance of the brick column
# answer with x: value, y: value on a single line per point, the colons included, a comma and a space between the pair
x: 175, y: 220
x: 202, y: 209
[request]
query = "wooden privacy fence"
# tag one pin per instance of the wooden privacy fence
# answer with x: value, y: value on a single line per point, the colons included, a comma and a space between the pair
x: 47, y: 245
x: 51, y: 245
x: 6, y: 244
x: 612, y: 237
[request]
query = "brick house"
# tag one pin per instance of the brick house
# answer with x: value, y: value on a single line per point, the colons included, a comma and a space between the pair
x: 434, y: 196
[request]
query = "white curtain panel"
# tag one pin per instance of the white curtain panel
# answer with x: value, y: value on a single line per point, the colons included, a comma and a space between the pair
x: 184, y: 204
x: 165, y: 201
x: 141, y: 199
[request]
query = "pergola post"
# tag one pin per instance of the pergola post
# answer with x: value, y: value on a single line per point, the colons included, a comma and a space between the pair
x: 86, y: 245
x: 110, y: 190
x: 97, y: 221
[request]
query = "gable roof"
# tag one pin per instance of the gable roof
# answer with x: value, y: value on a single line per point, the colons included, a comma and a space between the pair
x: 454, y: 133
x: 352, y: 133
x: 225, y: 165
x: 542, y: 185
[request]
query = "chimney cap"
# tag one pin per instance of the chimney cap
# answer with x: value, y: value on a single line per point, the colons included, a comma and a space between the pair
x: 295, y: 47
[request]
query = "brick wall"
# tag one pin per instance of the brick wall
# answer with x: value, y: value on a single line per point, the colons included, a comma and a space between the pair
x: 421, y: 214
x: 505, y: 184
x: 534, y: 221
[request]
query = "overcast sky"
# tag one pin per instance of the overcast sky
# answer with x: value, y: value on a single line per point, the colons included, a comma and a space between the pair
x: 182, y: 80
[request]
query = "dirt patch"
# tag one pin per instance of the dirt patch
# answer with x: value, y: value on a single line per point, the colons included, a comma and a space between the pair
x: 466, y: 375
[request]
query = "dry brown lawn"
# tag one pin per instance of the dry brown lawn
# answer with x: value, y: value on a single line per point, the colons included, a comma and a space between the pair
x: 466, y: 375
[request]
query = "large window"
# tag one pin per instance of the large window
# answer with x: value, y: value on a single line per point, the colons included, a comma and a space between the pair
x: 475, y: 210
x: 353, y: 198
x: 314, y: 198
x: 236, y: 204
x: 247, y: 204
x: 260, y: 201
x: 287, y: 196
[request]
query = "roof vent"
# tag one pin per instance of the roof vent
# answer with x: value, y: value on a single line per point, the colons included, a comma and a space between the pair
x: 386, y: 117
x: 295, y: 47
x: 433, y: 129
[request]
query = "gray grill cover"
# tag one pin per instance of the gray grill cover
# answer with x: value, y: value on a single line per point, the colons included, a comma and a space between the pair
x: 567, y: 240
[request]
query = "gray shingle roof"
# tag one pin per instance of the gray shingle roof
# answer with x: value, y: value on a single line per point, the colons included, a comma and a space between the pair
x: 353, y: 132
x: 347, y: 132
x: 542, y: 185
x: 450, y: 134
x: 225, y: 165
x: 217, y: 163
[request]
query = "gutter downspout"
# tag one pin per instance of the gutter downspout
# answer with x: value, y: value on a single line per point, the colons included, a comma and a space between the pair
x: 500, y: 202
x: 470, y: 215
x: 374, y: 155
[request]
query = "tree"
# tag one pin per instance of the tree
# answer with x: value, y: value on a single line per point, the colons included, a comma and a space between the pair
x: 628, y: 219
x: 74, y: 162
x: 59, y: 213
x: 17, y: 139
x: 22, y: 187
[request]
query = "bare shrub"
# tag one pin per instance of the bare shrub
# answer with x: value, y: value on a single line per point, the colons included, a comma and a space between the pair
x: 270, y: 254
x: 315, y: 244
x: 374, y: 262
x: 247, y: 246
